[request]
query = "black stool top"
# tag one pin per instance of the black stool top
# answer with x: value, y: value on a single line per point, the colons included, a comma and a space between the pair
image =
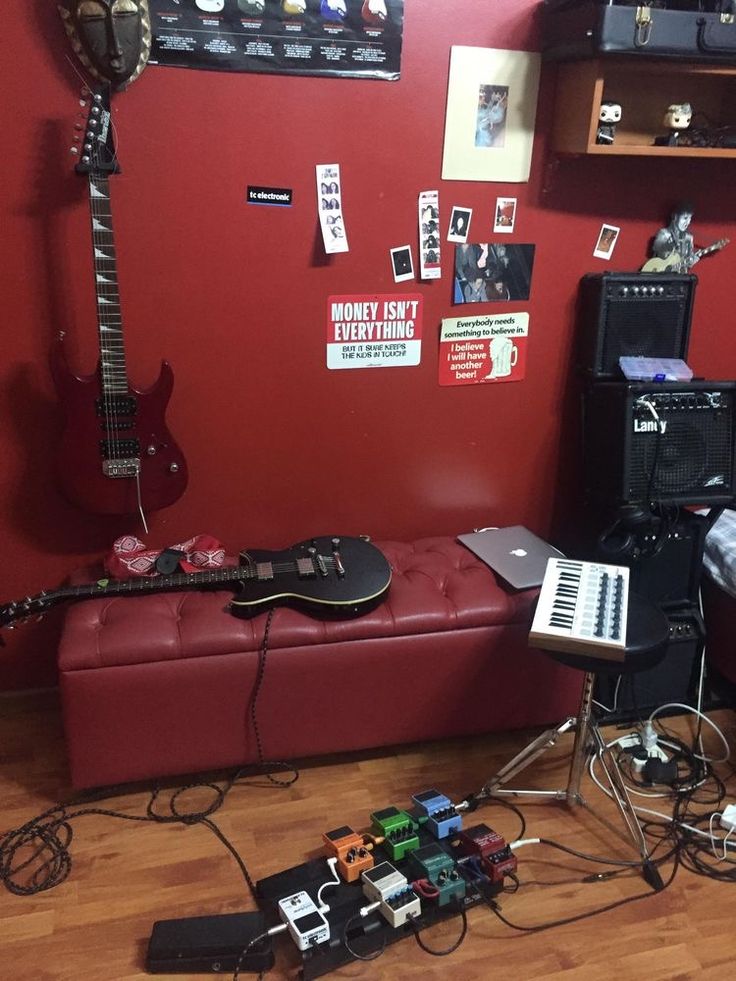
x: 647, y: 634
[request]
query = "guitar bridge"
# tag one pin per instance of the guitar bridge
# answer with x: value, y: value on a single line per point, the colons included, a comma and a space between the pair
x: 122, y: 468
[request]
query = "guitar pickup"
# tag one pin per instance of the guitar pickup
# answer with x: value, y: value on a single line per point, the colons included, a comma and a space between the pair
x: 116, y: 405
x: 305, y: 568
x: 264, y: 571
x: 119, y: 450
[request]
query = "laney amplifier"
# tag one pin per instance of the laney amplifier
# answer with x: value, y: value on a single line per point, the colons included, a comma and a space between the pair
x: 636, y: 314
x: 660, y: 443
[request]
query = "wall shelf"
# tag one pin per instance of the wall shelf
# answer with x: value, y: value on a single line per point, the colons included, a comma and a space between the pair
x: 644, y: 88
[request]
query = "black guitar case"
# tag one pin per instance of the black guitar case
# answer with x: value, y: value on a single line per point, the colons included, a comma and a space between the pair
x: 690, y: 30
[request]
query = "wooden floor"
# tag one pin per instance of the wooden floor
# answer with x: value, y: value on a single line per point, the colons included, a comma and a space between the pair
x: 125, y: 875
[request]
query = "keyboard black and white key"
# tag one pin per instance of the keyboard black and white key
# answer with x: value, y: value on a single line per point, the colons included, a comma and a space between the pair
x: 582, y: 609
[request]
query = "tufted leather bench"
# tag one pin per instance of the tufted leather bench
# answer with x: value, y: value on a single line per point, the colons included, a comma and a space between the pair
x: 160, y: 684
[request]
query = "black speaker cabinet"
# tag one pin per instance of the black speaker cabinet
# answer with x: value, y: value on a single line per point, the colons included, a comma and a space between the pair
x: 665, y: 556
x: 665, y: 443
x: 632, y: 697
x: 633, y: 314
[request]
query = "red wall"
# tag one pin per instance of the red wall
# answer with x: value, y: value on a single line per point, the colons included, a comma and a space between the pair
x: 234, y: 296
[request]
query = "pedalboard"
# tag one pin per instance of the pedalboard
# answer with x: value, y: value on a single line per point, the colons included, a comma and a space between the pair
x: 413, y: 869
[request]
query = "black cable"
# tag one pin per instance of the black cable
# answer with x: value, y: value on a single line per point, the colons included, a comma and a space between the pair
x: 353, y: 953
x: 243, y: 954
x: 591, y: 858
x: 447, y: 950
x: 43, y: 843
x: 274, y: 764
x: 581, y: 916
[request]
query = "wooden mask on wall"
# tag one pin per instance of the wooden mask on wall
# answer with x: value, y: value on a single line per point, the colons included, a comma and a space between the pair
x: 112, y: 38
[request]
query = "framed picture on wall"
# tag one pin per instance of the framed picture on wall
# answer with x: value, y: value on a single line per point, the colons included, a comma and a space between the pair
x: 491, y: 106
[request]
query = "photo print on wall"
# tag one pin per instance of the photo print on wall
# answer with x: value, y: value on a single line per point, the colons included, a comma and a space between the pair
x: 492, y: 271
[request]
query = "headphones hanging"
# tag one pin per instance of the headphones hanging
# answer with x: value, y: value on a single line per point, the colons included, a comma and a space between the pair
x: 622, y: 540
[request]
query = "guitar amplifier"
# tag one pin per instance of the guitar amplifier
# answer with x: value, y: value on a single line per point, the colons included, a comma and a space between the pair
x: 665, y: 443
x: 633, y: 314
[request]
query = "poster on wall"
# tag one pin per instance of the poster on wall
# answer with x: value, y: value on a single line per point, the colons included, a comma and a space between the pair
x: 377, y: 330
x: 492, y: 271
x: 335, y: 38
x: 483, y: 349
x: 489, y: 122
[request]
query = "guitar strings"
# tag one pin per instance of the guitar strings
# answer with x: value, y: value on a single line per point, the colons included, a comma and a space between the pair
x: 95, y: 188
x: 109, y: 369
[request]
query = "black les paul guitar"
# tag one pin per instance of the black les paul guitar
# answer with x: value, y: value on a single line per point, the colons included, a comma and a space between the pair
x: 325, y: 577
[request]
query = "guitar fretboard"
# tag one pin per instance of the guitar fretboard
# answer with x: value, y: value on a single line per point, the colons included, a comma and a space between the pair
x: 109, y: 321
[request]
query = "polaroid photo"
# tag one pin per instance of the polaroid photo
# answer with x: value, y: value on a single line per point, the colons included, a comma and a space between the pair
x: 402, y: 264
x: 505, y: 215
x: 459, y: 224
x: 606, y: 243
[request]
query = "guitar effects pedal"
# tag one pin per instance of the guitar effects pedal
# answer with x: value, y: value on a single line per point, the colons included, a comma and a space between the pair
x: 352, y: 853
x: 442, y: 818
x: 398, y: 829
x: 307, y: 926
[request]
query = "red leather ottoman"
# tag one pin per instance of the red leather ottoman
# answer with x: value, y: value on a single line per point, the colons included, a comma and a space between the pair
x: 160, y: 684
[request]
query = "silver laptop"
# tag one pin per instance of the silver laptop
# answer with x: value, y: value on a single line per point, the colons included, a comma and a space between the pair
x: 516, y: 554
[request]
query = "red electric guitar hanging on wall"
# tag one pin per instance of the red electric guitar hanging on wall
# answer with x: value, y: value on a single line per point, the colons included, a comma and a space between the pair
x: 116, y: 455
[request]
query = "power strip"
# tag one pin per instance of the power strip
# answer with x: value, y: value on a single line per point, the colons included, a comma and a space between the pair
x: 633, y: 740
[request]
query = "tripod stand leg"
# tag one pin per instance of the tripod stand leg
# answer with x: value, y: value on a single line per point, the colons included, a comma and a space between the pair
x: 582, y: 740
x: 544, y: 741
x: 621, y: 796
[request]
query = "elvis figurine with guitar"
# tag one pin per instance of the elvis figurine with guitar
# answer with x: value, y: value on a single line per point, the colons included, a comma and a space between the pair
x: 674, y: 247
x: 115, y: 455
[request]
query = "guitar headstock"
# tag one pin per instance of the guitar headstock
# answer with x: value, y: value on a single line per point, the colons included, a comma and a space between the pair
x: 32, y: 607
x: 98, y: 155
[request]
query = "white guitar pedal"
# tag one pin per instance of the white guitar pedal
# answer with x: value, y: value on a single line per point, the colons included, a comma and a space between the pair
x: 307, y: 926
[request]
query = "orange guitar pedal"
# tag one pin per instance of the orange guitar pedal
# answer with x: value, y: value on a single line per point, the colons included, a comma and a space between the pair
x: 352, y: 853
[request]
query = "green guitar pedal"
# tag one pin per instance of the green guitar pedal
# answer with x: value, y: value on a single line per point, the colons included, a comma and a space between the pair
x: 432, y: 864
x: 398, y: 829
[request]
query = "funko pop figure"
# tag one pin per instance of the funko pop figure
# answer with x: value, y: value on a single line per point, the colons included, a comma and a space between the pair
x: 609, y: 117
x: 677, y: 118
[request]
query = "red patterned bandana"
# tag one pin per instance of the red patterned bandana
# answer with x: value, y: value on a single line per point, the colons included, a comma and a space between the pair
x: 130, y: 557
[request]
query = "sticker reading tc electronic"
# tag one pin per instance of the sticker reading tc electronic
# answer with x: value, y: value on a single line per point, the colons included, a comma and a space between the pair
x: 270, y: 195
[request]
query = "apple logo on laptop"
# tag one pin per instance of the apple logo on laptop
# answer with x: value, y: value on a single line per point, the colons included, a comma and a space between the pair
x: 518, y: 551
